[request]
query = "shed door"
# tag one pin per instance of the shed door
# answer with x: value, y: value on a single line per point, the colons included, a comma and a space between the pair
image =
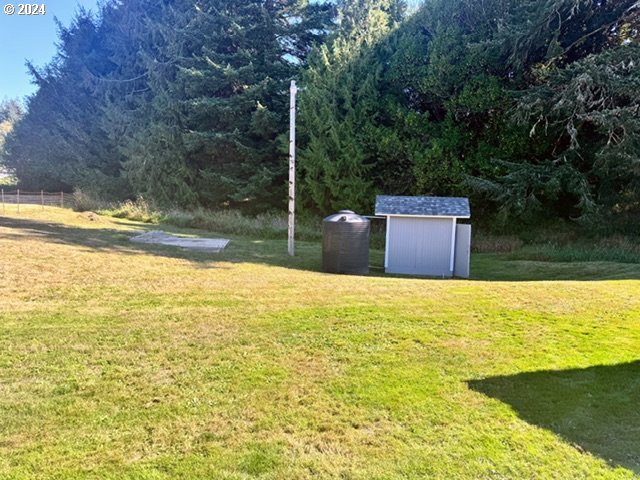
x: 420, y: 246
x: 463, y: 251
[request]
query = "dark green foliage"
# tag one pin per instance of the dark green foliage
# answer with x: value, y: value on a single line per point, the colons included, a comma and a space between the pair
x: 587, y: 115
x: 340, y: 104
x: 530, y: 107
x: 410, y: 110
x: 559, y: 32
x: 182, y: 103
x: 60, y: 143
x: 218, y: 104
x: 570, y: 63
x: 335, y: 106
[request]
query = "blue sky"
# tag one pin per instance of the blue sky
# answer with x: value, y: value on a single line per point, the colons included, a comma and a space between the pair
x: 30, y: 38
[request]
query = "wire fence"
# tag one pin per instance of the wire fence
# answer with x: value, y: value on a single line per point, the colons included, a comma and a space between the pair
x: 42, y: 198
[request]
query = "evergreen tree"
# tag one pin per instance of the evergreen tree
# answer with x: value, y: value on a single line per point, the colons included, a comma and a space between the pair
x: 580, y: 106
x: 339, y: 103
x: 530, y: 106
x: 60, y: 143
x: 11, y: 112
x: 218, y: 72
x: 176, y: 101
x: 587, y: 117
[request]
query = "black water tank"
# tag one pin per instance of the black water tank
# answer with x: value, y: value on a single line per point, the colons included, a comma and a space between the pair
x: 345, y: 243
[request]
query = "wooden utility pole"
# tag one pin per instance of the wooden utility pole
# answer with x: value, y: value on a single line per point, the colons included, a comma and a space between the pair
x: 292, y: 168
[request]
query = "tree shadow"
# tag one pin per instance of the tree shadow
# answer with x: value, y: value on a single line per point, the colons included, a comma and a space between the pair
x: 484, y: 267
x: 501, y: 268
x: 102, y: 239
x: 596, y: 409
x: 98, y: 239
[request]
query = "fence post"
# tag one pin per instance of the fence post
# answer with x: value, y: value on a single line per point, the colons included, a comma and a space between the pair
x: 61, y: 199
x: 18, y: 200
x: 42, y: 198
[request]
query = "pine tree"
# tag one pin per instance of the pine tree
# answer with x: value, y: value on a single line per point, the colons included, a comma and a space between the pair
x: 580, y: 106
x: 339, y: 102
x: 587, y: 114
x: 60, y: 143
x: 218, y: 74
x: 177, y: 101
x: 11, y: 112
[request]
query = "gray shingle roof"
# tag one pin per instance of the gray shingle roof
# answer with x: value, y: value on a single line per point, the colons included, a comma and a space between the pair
x: 427, y: 206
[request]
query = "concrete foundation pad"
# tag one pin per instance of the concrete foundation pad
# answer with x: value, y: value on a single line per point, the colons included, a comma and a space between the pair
x: 159, y: 237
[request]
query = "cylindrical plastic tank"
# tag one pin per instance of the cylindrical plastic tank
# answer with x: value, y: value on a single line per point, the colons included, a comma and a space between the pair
x: 345, y: 243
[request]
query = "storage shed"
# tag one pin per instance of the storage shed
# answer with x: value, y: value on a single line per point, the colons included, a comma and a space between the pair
x: 424, y: 236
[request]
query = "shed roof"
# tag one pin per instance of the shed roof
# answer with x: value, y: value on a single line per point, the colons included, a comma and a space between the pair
x: 423, y: 206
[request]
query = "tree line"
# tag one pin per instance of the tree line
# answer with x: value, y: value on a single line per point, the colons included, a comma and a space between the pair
x: 530, y: 107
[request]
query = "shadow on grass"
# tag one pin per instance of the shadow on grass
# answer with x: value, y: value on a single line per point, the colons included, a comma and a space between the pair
x: 484, y: 267
x: 116, y: 240
x: 502, y: 267
x: 96, y: 239
x: 596, y: 409
x: 245, y: 250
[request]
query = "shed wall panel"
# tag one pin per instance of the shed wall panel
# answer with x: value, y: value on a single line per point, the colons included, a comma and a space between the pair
x: 420, y: 246
x: 463, y: 251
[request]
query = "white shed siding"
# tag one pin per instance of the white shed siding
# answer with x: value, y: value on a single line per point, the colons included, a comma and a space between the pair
x: 419, y: 246
x: 463, y: 251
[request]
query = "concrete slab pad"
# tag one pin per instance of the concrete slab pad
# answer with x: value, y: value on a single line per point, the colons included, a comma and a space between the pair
x: 159, y: 237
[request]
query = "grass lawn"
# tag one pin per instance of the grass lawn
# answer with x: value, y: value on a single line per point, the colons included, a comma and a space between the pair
x: 124, y: 361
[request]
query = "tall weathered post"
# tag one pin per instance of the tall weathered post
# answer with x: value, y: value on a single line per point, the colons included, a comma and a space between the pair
x: 292, y: 168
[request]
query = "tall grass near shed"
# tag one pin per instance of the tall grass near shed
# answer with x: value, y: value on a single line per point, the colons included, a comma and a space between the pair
x: 613, y: 249
x: 546, y: 245
x: 268, y: 226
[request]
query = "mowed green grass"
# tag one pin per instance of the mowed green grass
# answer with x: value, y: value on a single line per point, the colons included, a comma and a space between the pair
x: 119, y: 361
